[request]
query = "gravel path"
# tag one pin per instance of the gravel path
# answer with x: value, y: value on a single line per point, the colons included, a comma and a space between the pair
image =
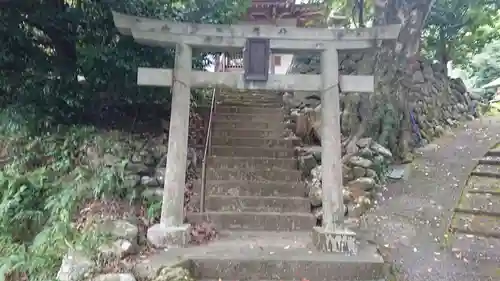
x: 412, y: 223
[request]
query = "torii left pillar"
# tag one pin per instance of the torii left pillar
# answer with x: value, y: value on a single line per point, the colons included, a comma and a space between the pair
x: 171, y: 231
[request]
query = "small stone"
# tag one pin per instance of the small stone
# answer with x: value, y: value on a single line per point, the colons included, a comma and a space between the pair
x: 136, y: 168
x: 318, y: 212
x: 136, y: 158
x: 360, y: 161
x: 364, y: 183
x: 118, y: 249
x: 399, y: 172
x: 121, y: 229
x: 347, y: 173
x: 316, y: 172
x: 358, y: 172
x: 418, y: 77
x: 371, y: 174
x: 159, y: 151
x: 153, y: 193
x: 315, y: 193
x: 114, y: 277
x: 150, y: 181
x: 173, y: 274
x: 364, y: 142
x: 379, y: 149
x: 366, y: 153
x: 315, y: 151
x: 307, y: 163
x: 428, y: 148
x: 75, y: 266
x: 160, y: 174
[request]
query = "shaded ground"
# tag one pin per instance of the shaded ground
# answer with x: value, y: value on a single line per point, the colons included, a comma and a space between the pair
x: 413, y: 222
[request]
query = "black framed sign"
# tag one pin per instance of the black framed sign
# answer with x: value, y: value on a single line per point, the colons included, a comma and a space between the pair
x: 256, y: 59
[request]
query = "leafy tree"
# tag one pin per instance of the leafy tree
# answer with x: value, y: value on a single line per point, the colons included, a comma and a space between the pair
x: 51, y: 42
x: 486, y: 65
x: 457, y: 29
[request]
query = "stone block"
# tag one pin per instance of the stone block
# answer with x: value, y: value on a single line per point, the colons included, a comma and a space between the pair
x: 341, y: 240
x: 162, y: 237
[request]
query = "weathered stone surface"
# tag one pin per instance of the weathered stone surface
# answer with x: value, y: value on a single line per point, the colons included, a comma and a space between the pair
x: 364, y: 183
x: 306, y: 163
x: 315, y: 192
x: 173, y: 274
x: 358, y: 172
x: 114, y: 277
x: 364, y: 142
x: 121, y: 229
x: 162, y: 237
x: 360, y: 162
x: 436, y: 103
x: 337, y: 241
x: 75, y: 266
x: 118, y: 249
x: 381, y: 150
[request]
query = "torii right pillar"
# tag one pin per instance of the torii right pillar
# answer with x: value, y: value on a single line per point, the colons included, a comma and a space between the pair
x: 333, y: 235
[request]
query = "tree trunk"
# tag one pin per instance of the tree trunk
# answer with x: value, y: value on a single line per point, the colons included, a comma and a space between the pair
x: 386, y: 113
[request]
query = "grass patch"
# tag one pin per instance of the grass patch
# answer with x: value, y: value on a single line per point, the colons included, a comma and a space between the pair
x: 45, y: 181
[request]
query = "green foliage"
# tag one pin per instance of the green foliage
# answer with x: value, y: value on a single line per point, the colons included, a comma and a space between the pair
x: 457, y: 29
x: 40, y: 189
x: 486, y: 65
x: 51, y: 42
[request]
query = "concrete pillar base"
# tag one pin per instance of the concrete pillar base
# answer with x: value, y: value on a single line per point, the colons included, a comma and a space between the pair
x: 162, y: 237
x: 340, y: 240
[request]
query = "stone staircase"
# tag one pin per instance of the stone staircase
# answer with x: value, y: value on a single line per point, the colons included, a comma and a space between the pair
x: 476, y: 221
x: 256, y: 198
x: 252, y: 178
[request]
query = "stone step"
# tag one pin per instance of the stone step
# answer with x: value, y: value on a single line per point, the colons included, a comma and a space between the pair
x: 256, y: 174
x: 494, y: 152
x: 256, y: 95
x: 489, y: 161
x: 243, y: 103
x: 252, y: 188
x: 246, y: 151
x: 250, y: 94
x: 250, y: 99
x: 260, y: 117
x: 248, y: 109
x: 479, y: 204
x: 484, y: 226
x: 482, y: 170
x: 227, y: 203
x: 247, y: 133
x: 481, y: 249
x: 261, y: 255
x: 269, y: 221
x: 486, y: 192
x: 478, y: 183
x: 254, y: 142
x: 250, y: 125
x: 250, y: 162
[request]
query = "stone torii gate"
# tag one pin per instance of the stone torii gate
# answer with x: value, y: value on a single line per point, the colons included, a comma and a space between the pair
x: 333, y: 236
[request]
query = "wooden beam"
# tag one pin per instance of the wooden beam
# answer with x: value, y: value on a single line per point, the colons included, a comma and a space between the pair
x: 295, y: 82
x: 126, y: 23
x: 224, y: 43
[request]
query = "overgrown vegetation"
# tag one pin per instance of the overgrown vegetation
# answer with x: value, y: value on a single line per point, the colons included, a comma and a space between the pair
x: 43, y: 182
x: 50, y: 116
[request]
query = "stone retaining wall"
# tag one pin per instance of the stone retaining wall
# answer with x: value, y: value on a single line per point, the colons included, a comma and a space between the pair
x: 437, y: 103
